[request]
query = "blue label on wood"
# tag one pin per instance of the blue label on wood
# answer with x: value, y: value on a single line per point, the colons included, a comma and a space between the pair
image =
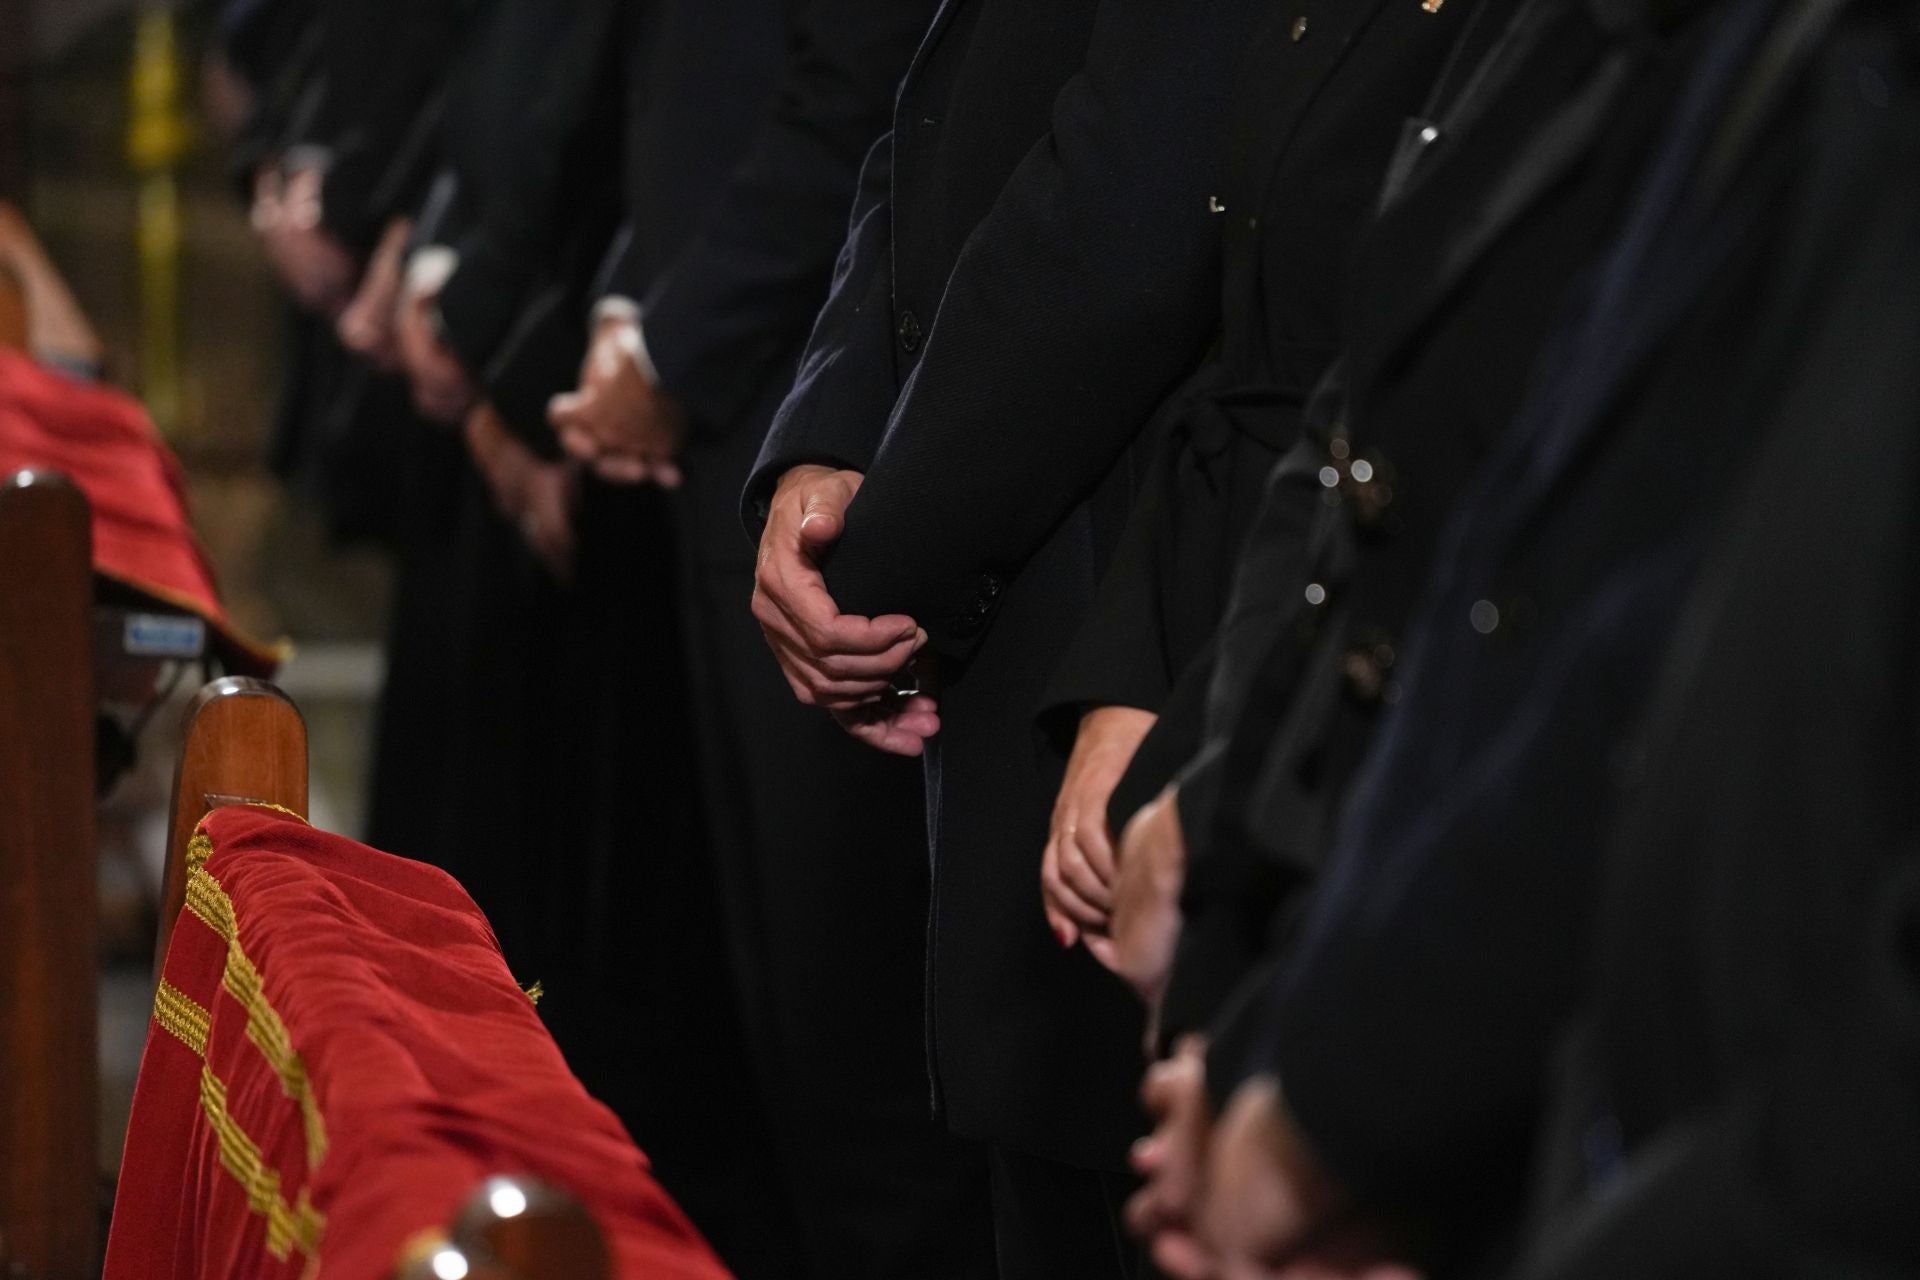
x: 152, y: 635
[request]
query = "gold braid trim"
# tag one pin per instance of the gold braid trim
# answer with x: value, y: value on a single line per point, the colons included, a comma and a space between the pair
x: 300, y: 818
x: 289, y: 1227
x: 207, y: 900
x: 178, y: 1014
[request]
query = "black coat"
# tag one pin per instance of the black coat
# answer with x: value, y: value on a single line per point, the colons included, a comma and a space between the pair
x: 1743, y: 1097
x: 1444, y: 319
x: 1031, y: 267
x: 1413, y: 1023
x: 1321, y: 105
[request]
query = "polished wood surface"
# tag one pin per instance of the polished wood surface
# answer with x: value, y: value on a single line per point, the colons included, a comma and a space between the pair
x: 244, y: 742
x: 48, y: 882
x: 514, y: 1229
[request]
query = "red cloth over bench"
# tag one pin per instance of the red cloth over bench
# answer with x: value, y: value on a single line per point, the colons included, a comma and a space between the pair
x: 339, y: 1057
x: 103, y: 441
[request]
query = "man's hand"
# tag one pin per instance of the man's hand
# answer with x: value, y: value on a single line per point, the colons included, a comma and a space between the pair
x: 367, y: 327
x: 442, y: 391
x: 1271, y: 1211
x: 1172, y: 1163
x: 536, y: 496
x: 1146, y: 899
x: 1077, y: 869
x: 831, y: 659
x: 898, y: 724
x: 317, y: 268
x: 620, y: 421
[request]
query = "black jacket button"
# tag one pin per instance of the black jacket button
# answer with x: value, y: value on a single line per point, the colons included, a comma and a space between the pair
x: 909, y: 332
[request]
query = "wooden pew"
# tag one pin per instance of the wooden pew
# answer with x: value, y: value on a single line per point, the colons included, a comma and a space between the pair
x: 60, y: 652
x: 245, y: 743
x: 48, y: 883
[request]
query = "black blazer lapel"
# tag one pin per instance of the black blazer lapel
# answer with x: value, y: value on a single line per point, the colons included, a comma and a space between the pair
x: 942, y: 18
x: 1478, y: 184
x: 1266, y: 135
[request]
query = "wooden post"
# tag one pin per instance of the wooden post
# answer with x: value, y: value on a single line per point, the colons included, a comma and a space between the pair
x: 49, y: 892
x: 244, y: 743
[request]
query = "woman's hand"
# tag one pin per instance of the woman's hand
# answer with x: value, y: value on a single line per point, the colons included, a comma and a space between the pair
x: 1078, y: 867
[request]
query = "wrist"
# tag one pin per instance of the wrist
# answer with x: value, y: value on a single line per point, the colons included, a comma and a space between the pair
x: 616, y: 323
x: 1115, y: 726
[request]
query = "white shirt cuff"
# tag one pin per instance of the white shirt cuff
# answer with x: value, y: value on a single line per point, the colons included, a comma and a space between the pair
x: 429, y: 269
x: 632, y: 338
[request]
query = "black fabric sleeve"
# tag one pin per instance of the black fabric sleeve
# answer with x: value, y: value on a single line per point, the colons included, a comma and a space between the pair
x: 837, y: 410
x: 1075, y: 306
x: 743, y: 293
x: 541, y: 354
x: 509, y: 236
x: 383, y: 63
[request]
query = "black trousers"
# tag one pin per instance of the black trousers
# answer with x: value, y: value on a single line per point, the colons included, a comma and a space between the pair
x: 821, y: 848
x: 533, y: 743
x: 1056, y: 1222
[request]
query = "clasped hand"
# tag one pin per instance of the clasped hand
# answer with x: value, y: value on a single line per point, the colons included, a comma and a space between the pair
x: 1243, y: 1196
x: 442, y: 390
x: 839, y: 661
x: 287, y: 213
x: 620, y: 422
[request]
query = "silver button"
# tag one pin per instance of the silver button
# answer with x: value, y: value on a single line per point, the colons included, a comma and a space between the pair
x: 1485, y: 617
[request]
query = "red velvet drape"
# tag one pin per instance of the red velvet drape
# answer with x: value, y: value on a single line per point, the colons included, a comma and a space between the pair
x: 339, y: 1057
x: 104, y: 442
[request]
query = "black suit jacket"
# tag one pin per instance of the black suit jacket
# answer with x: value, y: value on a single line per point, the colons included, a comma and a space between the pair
x: 1031, y: 266
x: 742, y: 162
x: 733, y: 256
